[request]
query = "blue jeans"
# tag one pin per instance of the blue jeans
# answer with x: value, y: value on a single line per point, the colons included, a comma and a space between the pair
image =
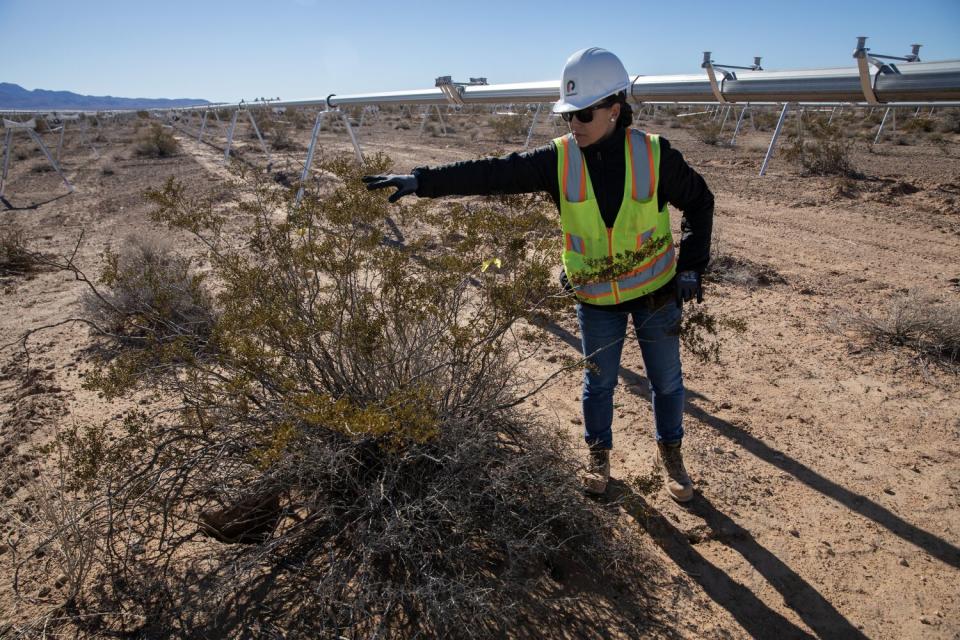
x: 602, y: 335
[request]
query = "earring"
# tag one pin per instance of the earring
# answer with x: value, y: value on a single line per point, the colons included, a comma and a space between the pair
x: 613, y: 119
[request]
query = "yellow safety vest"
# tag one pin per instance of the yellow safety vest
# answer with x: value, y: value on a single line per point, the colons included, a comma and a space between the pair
x: 638, y: 251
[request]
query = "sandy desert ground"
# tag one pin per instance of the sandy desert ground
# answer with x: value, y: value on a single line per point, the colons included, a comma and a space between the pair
x: 828, y: 470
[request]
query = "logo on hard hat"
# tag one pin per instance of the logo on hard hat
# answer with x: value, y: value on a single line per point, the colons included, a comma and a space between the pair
x: 571, y: 85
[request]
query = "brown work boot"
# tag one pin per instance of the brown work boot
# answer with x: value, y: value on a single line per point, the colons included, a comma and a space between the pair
x: 670, y: 463
x: 597, y: 475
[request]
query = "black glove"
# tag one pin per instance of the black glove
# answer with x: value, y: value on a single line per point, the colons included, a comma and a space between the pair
x: 405, y: 184
x: 688, y: 286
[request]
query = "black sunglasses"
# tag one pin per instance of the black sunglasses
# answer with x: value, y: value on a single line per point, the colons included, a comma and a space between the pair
x: 586, y: 115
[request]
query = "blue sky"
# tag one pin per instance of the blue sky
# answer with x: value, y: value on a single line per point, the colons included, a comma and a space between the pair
x: 225, y: 51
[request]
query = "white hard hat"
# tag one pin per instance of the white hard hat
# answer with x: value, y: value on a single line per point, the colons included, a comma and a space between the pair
x: 589, y: 76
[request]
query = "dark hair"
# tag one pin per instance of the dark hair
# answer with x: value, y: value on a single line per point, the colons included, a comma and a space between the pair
x: 626, y: 111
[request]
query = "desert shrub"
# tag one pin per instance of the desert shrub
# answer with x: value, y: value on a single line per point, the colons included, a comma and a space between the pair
x: 821, y: 150
x: 402, y: 125
x: 765, y: 119
x: 707, y: 132
x: 359, y: 410
x: 507, y: 128
x: 926, y: 327
x: 949, y: 120
x: 16, y: 258
x: 297, y: 119
x: 152, y: 296
x: 156, y: 142
x: 726, y: 267
x: 143, y: 114
x: 919, y: 124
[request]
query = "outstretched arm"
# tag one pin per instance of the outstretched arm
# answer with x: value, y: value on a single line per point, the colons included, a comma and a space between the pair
x: 526, y: 172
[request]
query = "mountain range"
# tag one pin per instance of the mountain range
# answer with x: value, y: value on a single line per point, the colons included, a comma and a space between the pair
x: 13, y: 96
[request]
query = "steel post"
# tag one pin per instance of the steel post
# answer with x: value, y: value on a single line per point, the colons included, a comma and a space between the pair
x: 233, y: 125
x: 876, y: 138
x: 353, y: 137
x: 203, y: 126
x: 7, y: 143
x: 263, y: 145
x: 736, y: 129
x: 423, y: 123
x: 833, y: 112
x: 46, y: 152
x: 533, y: 123
x: 773, y: 139
x: 726, y: 114
x: 309, y: 161
x: 83, y: 136
x: 63, y: 129
x: 443, y: 127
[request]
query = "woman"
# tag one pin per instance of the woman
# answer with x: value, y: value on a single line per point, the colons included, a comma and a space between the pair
x: 611, y: 184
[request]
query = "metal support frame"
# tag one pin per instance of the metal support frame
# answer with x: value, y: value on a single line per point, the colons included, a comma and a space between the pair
x: 7, y: 144
x: 533, y: 123
x: 736, y: 129
x: 63, y: 130
x: 203, y: 126
x: 28, y: 126
x: 353, y: 136
x: 233, y: 125
x: 443, y: 126
x: 726, y: 114
x: 876, y: 138
x: 263, y: 145
x: 423, y: 123
x: 310, y: 150
x: 773, y: 139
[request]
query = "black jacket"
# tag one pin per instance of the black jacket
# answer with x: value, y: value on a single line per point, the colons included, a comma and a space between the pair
x: 536, y: 170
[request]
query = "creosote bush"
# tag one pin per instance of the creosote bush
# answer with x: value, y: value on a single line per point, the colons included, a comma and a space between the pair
x: 156, y: 142
x: 359, y: 384
x: 507, y: 128
x: 707, y: 132
x: 928, y: 328
x: 16, y: 258
x: 821, y: 150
